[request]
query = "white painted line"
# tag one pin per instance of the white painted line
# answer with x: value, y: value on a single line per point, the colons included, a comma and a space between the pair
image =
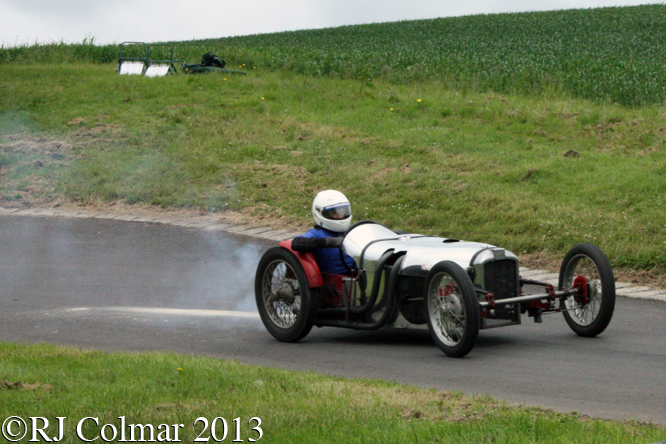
x: 622, y: 285
x: 652, y: 295
x: 181, y: 222
x: 238, y: 228
x: 257, y: 230
x: 170, y: 220
x: 23, y: 212
x: 203, y: 224
x: 105, y: 216
x: 291, y: 235
x: 86, y: 215
x: 44, y: 212
x: 631, y: 290
x: 171, y: 311
x: 127, y: 218
x: 66, y: 213
x: 220, y: 226
x: 147, y: 219
x: 272, y: 235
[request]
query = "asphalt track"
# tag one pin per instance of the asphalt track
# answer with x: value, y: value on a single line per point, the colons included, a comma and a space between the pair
x: 141, y: 286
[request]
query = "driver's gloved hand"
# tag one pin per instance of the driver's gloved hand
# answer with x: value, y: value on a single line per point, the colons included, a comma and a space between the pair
x: 334, y: 242
x: 306, y: 244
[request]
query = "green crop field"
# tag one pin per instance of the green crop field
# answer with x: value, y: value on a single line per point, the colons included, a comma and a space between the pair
x: 612, y: 54
x: 607, y: 54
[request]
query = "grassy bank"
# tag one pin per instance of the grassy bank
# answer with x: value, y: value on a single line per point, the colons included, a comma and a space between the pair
x: 293, y: 407
x: 529, y: 173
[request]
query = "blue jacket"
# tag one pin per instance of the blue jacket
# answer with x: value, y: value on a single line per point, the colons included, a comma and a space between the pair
x: 328, y: 259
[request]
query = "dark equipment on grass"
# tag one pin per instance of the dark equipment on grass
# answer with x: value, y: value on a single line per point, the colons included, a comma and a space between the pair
x: 209, y: 63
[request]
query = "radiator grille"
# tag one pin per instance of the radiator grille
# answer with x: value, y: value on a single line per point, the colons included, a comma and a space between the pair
x: 501, y: 278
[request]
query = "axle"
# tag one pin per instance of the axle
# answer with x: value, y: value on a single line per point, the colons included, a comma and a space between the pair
x: 491, y: 302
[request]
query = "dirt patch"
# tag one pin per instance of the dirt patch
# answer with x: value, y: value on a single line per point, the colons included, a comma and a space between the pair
x: 530, y: 174
x: 34, y: 146
x: 24, y: 183
x: 10, y: 385
x: 380, y: 174
x: 27, y: 165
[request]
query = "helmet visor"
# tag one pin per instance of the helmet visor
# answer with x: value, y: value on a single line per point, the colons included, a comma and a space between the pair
x: 337, y: 212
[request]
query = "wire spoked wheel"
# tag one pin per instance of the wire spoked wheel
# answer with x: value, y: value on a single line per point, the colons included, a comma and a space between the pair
x: 282, y: 294
x: 586, y: 269
x: 452, y: 309
x: 283, y: 297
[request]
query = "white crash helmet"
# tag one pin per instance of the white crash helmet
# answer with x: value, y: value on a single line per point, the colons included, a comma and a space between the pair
x: 331, y: 210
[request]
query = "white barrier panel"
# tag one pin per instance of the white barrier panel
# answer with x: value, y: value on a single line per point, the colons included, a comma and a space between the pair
x: 157, y: 70
x: 131, y: 68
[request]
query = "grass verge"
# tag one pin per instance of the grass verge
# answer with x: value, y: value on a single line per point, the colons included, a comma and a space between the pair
x: 293, y: 406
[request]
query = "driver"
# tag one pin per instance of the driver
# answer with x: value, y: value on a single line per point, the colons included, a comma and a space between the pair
x: 332, y: 215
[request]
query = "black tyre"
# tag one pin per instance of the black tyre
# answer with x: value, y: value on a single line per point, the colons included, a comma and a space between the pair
x: 586, y: 267
x: 284, y: 299
x: 452, y: 309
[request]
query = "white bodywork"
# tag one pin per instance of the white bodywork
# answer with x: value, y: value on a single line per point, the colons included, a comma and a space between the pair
x: 368, y: 242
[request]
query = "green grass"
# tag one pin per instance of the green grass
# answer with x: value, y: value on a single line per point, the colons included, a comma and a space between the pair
x: 529, y: 173
x: 293, y: 407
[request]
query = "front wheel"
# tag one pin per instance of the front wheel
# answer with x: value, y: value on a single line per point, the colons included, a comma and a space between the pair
x: 586, y: 268
x: 452, y: 309
x: 284, y: 300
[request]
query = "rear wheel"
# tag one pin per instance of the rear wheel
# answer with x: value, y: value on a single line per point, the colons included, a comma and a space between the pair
x: 284, y: 299
x: 452, y: 309
x: 586, y: 268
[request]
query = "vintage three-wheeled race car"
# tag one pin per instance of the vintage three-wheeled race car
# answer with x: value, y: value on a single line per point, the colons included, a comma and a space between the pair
x: 455, y: 287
